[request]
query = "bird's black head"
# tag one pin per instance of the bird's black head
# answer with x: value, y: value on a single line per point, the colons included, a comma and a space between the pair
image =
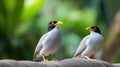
x: 53, y: 24
x: 94, y: 28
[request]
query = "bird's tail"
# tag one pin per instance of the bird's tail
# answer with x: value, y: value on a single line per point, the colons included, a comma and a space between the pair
x: 78, y: 56
x: 74, y: 56
x: 36, y: 57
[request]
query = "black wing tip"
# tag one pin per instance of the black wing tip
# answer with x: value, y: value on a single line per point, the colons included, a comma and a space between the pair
x: 74, y: 56
x: 77, y: 55
x: 34, y: 57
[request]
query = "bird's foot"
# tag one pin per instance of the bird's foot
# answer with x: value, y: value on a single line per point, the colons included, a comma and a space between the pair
x: 90, y: 58
x: 45, y: 60
x: 87, y: 58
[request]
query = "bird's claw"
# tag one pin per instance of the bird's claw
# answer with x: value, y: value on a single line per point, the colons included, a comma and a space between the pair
x: 45, y: 61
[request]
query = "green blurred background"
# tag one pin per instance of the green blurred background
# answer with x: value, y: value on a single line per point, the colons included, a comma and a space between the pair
x: 23, y: 22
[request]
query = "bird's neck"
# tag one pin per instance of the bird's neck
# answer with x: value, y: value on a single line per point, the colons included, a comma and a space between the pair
x: 49, y: 29
x: 92, y: 33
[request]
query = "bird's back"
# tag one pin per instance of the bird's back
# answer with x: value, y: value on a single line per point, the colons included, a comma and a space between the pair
x: 38, y: 48
x: 82, y: 46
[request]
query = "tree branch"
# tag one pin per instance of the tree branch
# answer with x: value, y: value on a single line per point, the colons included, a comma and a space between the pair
x: 112, y: 43
x: 75, y: 62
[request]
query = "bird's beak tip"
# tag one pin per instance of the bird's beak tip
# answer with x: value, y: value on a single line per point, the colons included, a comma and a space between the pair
x: 59, y: 22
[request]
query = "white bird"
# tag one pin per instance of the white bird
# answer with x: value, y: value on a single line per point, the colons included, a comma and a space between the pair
x: 49, y: 42
x: 90, y: 44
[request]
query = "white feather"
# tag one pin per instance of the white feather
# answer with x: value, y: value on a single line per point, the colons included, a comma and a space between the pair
x: 90, y: 45
x: 49, y: 43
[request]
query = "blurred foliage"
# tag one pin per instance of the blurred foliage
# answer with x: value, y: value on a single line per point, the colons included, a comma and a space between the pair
x: 15, y: 19
x: 23, y: 22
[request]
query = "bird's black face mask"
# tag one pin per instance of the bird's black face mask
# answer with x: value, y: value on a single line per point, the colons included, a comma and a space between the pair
x: 51, y: 25
x: 96, y: 29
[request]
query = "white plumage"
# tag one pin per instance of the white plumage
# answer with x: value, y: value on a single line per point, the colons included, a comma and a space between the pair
x: 48, y: 44
x: 90, y: 45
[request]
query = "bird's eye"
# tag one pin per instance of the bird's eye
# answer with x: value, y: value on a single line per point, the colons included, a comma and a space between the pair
x: 94, y: 28
x: 52, y: 23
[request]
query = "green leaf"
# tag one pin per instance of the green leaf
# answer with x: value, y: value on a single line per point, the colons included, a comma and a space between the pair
x: 31, y: 8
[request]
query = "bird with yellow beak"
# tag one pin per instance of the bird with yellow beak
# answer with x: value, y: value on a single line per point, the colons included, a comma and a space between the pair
x: 49, y: 42
x: 90, y: 44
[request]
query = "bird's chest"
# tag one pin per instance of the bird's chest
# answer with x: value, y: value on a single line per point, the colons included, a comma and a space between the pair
x: 94, y: 40
x: 53, y: 37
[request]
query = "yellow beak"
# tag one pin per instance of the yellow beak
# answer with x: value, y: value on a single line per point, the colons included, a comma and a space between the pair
x: 88, y: 28
x: 58, y: 23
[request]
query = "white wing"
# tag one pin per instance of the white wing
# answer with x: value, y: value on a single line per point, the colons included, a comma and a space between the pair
x: 94, y: 44
x: 51, y: 43
x: 39, y: 47
x: 82, y: 46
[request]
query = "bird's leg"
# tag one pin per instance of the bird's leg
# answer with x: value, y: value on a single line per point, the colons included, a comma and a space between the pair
x: 87, y: 57
x: 53, y: 58
x: 44, y: 60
